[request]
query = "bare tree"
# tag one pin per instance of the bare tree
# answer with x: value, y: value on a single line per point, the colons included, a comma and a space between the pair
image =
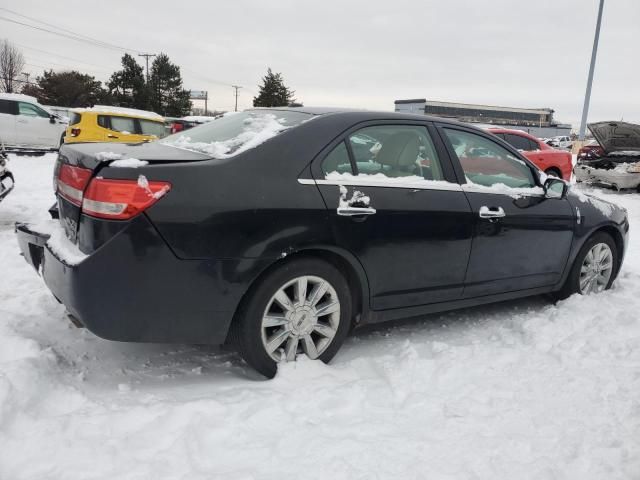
x: 11, y: 65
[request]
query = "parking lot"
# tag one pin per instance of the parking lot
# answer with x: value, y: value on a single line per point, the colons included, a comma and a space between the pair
x: 523, y: 389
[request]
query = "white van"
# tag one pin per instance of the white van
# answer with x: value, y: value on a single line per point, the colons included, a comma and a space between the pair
x: 27, y: 125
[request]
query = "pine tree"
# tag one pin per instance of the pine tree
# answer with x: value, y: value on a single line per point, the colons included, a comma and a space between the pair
x: 273, y: 92
x: 167, y: 97
x: 67, y: 89
x: 127, y: 87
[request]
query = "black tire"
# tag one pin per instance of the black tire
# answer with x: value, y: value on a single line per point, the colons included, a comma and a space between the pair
x: 572, y: 284
x: 554, y: 172
x: 247, y: 323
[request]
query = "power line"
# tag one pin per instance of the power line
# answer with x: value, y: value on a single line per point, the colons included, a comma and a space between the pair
x: 58, y: 55
x: 91, y: 39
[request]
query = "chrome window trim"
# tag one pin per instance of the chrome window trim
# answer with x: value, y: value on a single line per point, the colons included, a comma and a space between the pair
x: 471, y: 188
x: 450, y: 187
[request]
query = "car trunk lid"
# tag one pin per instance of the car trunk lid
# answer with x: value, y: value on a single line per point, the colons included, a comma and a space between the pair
x: 78, y: 164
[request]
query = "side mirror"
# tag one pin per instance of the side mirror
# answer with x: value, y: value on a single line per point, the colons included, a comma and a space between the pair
x: 52, y: 119
x: 555, y: 188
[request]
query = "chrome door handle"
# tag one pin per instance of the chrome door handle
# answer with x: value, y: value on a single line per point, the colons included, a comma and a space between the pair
x: 493, y: 212
x: 111, y: 136
x: 355, y: 211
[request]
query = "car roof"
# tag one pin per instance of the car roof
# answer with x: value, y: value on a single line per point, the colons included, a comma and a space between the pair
x: 18, y: 97
x: 364, y: 115
x: 121, y: 112
x: 513, y: 131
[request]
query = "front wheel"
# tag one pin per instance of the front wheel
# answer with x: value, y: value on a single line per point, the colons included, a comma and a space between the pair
x: 594, y: 268
x: 302, y: 307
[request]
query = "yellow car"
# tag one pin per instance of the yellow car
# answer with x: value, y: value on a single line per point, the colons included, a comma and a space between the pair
x: 113, y: 124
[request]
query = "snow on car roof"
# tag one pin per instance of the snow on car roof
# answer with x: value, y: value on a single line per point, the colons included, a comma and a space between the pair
x: 121, y: 110
x: 18, y: 97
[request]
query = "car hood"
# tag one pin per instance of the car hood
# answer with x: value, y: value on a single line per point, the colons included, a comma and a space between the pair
x: 617, y: 136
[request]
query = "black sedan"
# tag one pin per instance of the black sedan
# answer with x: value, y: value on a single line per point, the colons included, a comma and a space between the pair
x: 281, y: 229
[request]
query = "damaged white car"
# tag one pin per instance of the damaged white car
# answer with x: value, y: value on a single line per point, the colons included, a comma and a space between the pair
x: 618, y: 164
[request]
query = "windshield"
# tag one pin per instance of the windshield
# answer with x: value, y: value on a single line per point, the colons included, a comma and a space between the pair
x: 236, y: 132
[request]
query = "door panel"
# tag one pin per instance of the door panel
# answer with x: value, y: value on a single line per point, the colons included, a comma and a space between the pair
x: 414, y: 249
x: 34, y: 127
x: 527, y: 248
x: 414, y: 242
x: 521, y: 238
x: 7, y: 128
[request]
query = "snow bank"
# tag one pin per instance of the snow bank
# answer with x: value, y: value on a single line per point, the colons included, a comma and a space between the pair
x: 522, y: 390
x: 258, y: 129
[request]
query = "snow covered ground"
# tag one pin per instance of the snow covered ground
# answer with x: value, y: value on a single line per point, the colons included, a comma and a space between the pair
x: 520, y: 390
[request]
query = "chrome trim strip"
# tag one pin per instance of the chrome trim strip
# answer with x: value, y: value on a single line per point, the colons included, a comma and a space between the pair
x: 478, y: 189
x: 444, y: 186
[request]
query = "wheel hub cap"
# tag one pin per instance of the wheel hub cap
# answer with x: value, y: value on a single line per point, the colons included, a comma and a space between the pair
x: 302, y: 316
x: 596, y: 270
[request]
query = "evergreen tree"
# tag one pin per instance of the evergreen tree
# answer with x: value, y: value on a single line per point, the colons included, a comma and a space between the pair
x: 127, y: 87
x: 273, y: 92
x: 67, y: 89
x: 167, y: 97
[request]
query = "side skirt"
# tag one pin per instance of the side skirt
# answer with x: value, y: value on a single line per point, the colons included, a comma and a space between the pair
x: 378, y: 316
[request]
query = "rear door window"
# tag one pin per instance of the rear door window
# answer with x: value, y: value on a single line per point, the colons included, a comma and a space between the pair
x: 395, y: 151
x: 8, y: 107
x: 123, y: 124
x: 486, y: 163
x: 337, y: 161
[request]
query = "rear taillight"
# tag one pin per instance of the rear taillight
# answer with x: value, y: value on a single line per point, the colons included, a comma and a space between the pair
x: 121, y: 199
x: 72, y: 182
x: 75, y: 132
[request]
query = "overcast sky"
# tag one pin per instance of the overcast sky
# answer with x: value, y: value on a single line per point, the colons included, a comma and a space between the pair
x: 361, y: 53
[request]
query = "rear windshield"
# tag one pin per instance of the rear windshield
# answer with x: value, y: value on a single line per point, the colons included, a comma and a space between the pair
x: 236, y: 132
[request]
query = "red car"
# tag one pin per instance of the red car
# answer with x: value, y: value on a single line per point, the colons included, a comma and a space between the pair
x: 590, y: 150
x: 551, y: 161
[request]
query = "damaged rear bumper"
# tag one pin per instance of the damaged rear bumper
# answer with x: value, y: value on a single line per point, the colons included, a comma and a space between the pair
x: 135, y: 289
x: 610, y: 178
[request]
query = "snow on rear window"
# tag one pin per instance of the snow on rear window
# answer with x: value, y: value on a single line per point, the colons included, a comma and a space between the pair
x: 233, y: 134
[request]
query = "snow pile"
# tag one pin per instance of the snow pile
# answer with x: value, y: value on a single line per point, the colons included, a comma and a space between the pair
x: 128, y: 163
x: 123, y: 110
x: 521, y: 390
x: 107, y: 156
x: 62, y: 247
x: 257, y: 129
x: 501, y: 188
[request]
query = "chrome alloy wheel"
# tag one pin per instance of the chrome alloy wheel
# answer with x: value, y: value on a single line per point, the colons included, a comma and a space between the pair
x: 596, y: 269
x: 303, y: 315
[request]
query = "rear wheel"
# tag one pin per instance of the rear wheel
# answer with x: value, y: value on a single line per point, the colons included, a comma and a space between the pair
x: 302, y: 307
x: 594, y: 268
x: 553, y: 172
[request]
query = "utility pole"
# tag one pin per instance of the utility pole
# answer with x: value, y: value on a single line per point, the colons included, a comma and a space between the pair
x: 26, y: 75
x: 237, y: 87
x: 587, y: 96
x: 146, y: 57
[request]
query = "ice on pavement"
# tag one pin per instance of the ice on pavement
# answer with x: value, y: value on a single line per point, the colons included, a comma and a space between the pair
x: 521, y: 390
